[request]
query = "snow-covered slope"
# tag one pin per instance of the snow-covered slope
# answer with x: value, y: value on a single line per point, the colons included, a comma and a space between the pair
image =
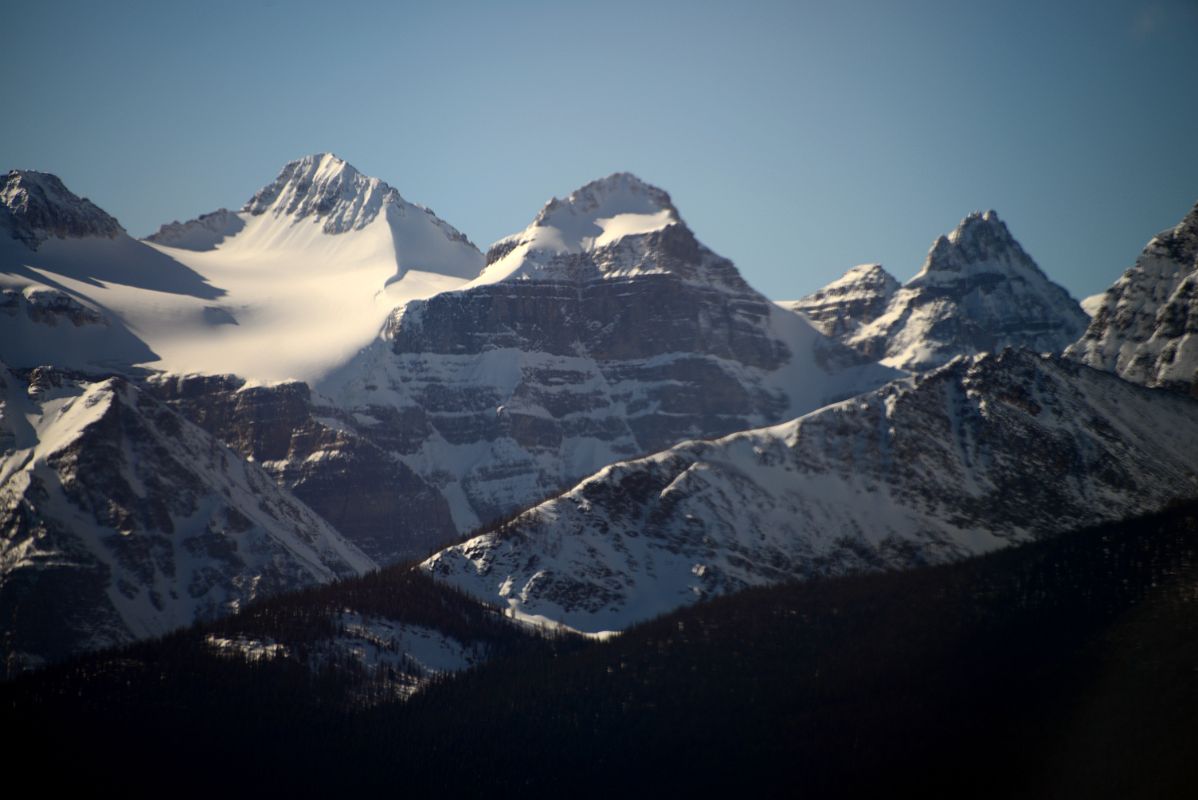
x: 978, y: 291
x: 1145, y: 328
x: 121, y: 520
x: 982, y: 453
x: 290, y: 287
x: 1092, y: 303
x: 603, y: 330
x: 64, y: 263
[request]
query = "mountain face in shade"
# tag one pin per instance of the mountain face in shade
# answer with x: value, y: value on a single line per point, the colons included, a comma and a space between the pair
x: 1145, y: 328
x: 374, y: 500
x: 603, y: 330
x: 35, y: 206
x: 982, y: 453
x: 978, y: 291
x: 120, y: 520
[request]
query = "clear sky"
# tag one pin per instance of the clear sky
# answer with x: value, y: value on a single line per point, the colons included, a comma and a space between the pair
x: 797, y: 139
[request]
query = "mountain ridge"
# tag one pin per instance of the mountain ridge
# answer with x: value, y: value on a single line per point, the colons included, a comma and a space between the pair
x: 922, y: 470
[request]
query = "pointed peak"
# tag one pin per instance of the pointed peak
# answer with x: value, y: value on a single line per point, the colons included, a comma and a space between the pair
x: 980, y: 243
x: 326, y: 188
x: 40, y: 206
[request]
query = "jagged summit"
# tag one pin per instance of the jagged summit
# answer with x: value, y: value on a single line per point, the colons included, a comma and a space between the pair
x: 977, y: 291
x: 980, y: 244
x: 327, y: 188
x: 330, y: 190
x: 37, y: 206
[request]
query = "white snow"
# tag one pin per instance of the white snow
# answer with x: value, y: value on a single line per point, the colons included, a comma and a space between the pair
x: 598, y: 215
x: 284, y: 293
x: 1092, y: 303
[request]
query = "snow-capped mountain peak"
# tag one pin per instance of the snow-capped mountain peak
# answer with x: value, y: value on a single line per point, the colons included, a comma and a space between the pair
x: 327, y: 188
x: 980, y: 245
x: 845, y: 304
x: 977, y: 291
x: 618, y: 194
x: 861, y: 275
x: 614, y: 227
x: 36, y: 206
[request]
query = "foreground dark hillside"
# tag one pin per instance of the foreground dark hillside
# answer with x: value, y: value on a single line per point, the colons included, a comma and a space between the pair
x: 1065, y: 668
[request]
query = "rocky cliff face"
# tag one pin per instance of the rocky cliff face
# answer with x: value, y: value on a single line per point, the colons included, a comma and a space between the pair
x: 982, y: 453
x: 119, y: 520
x: 978, y: 291
x: 369, y: 496
x: 1145, y: 327
x: 36, y: 205
x: 602, y: 331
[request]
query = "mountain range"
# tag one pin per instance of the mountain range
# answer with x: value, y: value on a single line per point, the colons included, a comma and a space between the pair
x: 595, y: 422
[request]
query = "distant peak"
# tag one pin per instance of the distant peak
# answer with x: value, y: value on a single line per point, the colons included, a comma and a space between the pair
x: 327, y: 188
x: 862, y: 276
x: 618, y: 193
x: 868, y: 271
x: 39, y: 206
x: 980, y: 242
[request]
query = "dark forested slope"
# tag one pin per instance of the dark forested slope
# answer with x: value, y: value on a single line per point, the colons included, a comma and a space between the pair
x: 1063, y: 668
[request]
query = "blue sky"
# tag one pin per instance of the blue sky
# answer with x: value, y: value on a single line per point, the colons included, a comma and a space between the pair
x: 796, y: 138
